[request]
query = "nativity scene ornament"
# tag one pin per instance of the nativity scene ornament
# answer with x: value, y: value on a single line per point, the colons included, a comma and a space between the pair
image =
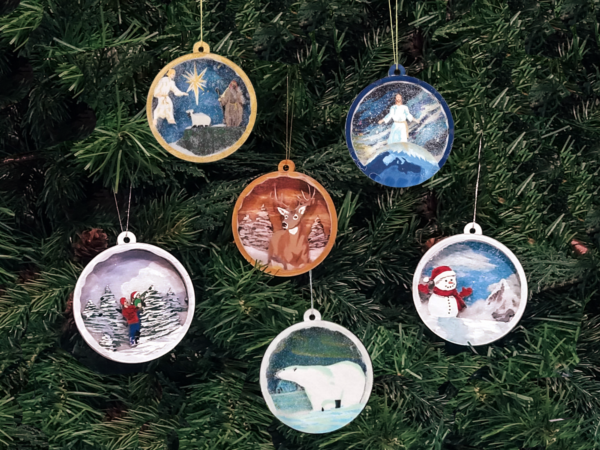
x: 399, y: 130
x: 133, y: 302
x: 285, y: 222
x: 470, y: 289
x: 201, y: 107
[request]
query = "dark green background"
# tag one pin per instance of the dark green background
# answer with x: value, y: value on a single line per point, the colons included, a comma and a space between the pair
x: 521, y: 73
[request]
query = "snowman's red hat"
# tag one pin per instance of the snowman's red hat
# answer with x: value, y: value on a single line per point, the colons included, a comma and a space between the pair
x: 438, y: 273
x: 133, y: 294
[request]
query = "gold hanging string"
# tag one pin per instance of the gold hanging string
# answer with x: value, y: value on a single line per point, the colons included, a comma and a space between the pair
x: 201, y: 22
x: 289, y: 122
x: 392, y: 29
x: 397, y: 48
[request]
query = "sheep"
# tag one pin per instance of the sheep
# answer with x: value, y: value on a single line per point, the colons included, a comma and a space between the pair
x: 199, y: 119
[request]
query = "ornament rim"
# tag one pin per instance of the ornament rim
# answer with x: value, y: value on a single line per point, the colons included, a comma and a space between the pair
x: 122, y: 248
x: 395, y: 79
x: 464, y: 237
x: 279, y: 272
x: 251, y: 120
x: 311, y: 324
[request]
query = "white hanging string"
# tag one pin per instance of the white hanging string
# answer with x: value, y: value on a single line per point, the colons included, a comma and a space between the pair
x: 478, y: 174
x: 119, y: 214
x: 312, y: 303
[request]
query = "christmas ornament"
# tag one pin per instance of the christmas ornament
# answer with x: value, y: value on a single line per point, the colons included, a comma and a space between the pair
x: 470, y: 289
x: 399, y: 130
x: 201, y: 107
x: 316, y: 376
x: 133, y: 302
x: 286, y: 221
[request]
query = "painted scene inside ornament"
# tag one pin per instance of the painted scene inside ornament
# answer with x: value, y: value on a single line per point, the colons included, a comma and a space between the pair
x: 316, y: 380
x: 201, y: 107
x: 400, y: 134
x: 134, y: 303
x: 284, y: 223
x: 470, y: 293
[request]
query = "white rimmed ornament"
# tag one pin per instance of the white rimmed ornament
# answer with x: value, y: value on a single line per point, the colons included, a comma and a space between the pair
x: 133, y: 302
x: 316, y: 376
x: 470, y: 289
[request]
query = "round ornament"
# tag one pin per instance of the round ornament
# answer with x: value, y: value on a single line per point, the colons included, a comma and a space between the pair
x: 133, y: 302
x: 201, y: 107
x: 316, y: 376
x: 286, y: 221
x: 470, y: 289
x: 399, y: 130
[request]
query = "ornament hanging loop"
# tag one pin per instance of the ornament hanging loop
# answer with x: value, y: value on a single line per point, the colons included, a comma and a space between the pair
x: 201, y: 47
x: 287, y: 165
x: 396, y: 70
x: 126, y: 237
x: 473, y: 228
x: 312, y: 315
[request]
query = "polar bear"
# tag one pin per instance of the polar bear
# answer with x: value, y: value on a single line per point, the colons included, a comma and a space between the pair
x: 328, y: 387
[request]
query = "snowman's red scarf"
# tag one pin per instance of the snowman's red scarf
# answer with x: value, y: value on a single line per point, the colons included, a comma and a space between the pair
x: 454, y: 293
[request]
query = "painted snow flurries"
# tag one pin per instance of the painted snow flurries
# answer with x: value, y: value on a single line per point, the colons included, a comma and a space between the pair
x: 134, y: 302
x: 316, y: 376
x: 201, y: 107
x: 470, y: 289
x: 399, y: 130
x: 285, y: 221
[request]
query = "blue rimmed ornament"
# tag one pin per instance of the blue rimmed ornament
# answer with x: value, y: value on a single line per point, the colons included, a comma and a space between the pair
x: 399, y: 130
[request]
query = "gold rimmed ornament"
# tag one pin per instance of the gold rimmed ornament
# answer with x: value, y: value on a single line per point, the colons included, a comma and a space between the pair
x: 201, y: 107
x: 286, y: 221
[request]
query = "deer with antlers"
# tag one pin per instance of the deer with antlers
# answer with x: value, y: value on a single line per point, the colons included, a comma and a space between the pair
x: 289, y: 246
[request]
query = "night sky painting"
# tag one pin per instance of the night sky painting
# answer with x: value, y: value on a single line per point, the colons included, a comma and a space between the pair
x: 377, y: 148
x: 217, y: 77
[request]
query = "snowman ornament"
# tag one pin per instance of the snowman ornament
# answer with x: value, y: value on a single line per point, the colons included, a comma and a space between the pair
x: 444, y: 299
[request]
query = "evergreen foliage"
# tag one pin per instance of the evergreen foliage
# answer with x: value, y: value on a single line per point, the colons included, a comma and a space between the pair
x: 522, y: 74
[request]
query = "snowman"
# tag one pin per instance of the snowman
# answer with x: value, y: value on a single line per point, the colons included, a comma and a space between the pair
x: 444, y: 300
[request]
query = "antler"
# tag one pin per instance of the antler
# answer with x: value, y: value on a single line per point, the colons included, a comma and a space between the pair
x: 307, y: 201
x: 279, y: 201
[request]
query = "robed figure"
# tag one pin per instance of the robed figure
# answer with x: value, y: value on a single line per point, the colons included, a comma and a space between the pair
x: 232, y: 102
x: 164, y: 109
x: 400, y: 114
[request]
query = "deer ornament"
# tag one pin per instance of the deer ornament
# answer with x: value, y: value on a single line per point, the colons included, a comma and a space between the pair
x: 289, y: 246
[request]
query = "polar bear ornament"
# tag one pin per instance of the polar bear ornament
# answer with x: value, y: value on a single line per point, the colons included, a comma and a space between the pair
x: 316, y: 376
x: 470, y: 289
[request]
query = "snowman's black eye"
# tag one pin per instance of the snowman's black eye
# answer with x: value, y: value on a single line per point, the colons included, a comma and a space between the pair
x: 295, y: 368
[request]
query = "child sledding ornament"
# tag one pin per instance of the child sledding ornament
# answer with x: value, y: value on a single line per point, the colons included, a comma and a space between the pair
x: 285, y: 221
x: 470, y: 289
x: 133, y: 302
x: 399, y: 130
x: 201, y: 107
x: 316, y: 376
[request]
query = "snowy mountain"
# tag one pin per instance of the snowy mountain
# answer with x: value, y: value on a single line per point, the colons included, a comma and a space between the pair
x: 501, y: 305
x: 503, y: 300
